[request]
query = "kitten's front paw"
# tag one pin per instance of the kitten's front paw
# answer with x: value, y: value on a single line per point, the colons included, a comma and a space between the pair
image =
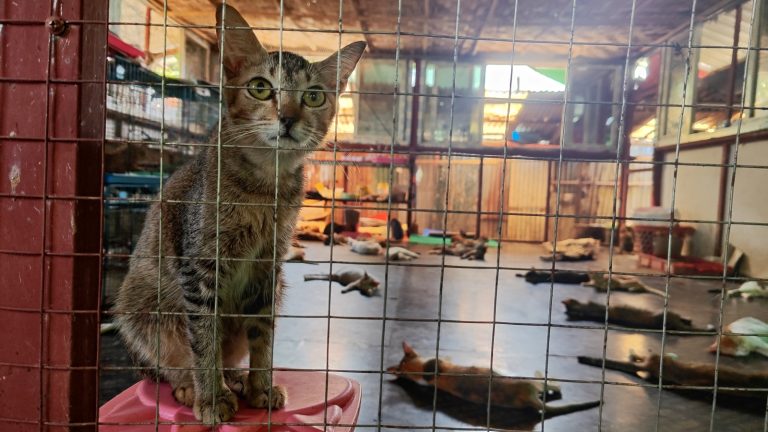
x: 218, y: 410
x: 237, y: 381
x: 263, y: 399
x: 185, y: 394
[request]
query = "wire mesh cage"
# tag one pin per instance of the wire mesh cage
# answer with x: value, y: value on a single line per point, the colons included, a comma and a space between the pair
x: 556, y: 203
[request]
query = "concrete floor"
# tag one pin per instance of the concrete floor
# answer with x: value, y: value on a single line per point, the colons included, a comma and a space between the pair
x: 358, y: 343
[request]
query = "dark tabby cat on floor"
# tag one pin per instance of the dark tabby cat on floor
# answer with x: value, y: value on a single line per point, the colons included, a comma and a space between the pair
x: 471, y: 383
x: 558, y: 276
x: 627, y: 316
x: 188, y: 345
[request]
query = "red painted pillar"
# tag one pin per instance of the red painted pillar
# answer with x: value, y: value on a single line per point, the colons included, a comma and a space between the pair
x: 52, y: 74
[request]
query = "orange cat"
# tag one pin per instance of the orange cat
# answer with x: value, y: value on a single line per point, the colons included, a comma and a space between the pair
x: 471, y: 384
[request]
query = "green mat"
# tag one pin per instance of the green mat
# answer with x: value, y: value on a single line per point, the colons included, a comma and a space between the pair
x: 437, y: 241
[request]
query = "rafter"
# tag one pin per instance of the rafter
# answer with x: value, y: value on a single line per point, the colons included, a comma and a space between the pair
x: 481, y: 26
x: 363, y: 24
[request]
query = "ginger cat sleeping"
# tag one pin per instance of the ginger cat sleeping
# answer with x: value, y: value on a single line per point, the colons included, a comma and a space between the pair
x: 471, y: 383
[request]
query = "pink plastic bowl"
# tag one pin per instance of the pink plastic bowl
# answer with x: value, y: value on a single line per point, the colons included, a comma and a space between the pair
x: 136, y: 409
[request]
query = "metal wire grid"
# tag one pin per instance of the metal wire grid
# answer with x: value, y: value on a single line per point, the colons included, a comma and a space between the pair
x: 557, y: 215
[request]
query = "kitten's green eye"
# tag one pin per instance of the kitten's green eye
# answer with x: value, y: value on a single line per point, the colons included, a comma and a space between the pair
x: 314, y: 97
x: 260, y: 88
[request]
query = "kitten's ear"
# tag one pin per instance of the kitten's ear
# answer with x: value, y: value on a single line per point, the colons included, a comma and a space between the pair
x: 240, y: 44
x: 345, y: 61
x: 407, y: 349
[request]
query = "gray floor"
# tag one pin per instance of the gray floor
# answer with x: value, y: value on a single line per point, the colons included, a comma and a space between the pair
x: 359, y: 342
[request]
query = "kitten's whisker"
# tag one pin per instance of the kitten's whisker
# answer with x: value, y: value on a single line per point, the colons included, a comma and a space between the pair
x: 235, y: 136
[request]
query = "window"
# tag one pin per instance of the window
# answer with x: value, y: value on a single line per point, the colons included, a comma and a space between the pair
x: 195, y: 60
x: 761, y: 84
x: 122, y: 11
x: 365, y: 114
x: 535, y: 122
x: 720, y: 69
x: 166, y: 47
x: 593, y: 120
x: 676, y: 67
x: 464, y: 128
x: 642, y: 110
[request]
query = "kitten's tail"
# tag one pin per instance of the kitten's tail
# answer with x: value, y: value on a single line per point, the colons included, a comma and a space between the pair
x: 318, y: 276
x: 655, y: 291
x: 631, y: 368
x: 553, y: 411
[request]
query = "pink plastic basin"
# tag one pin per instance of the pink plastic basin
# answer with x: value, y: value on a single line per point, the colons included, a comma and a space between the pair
x: 135, y: 409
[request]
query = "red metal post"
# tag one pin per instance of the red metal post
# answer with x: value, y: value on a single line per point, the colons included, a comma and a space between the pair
x: 722, y: 196
x: 51, y: 136
x: 658, y: 175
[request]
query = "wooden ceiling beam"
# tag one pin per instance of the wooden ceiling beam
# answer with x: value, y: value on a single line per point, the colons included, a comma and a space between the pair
x: 594, y: 22
x: 702, y: 14
x: 363, y: 24
x: 488, y: 13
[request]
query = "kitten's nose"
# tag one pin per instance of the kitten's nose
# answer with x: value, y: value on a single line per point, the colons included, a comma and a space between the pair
x: 287, y: 122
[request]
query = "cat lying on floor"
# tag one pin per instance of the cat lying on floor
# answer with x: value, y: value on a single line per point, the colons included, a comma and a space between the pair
x: 599, y: 281
x: 472, y: 384
x: 743, y: 337
x: 373, y: 247
x: 692, y: 374
x: 557, y: 276
x: 365, y: 247
x: 351, y: 279
x: 464, y: 247
x: 581, y: 249
x: 627, y: 316
x: 627, y: 283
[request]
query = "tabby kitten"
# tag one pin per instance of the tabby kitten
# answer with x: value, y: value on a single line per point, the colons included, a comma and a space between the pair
x: 165, y: 309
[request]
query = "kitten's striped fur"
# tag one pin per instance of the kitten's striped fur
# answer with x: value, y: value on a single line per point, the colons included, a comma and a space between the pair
x: 184, y: 284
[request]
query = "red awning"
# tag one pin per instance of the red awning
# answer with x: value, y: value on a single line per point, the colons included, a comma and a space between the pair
x: 123, y: 47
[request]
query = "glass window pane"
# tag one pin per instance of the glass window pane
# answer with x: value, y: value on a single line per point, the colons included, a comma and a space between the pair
x: 643, y: 119
x: 761, y: 85
x: 534, y: 118
x: 365, y: 115
x: 196, y: 61
x: 593, y: 118
x: 128, y: 12
x: 718, y: 84
x: 674, y: 91
x: 464, y: 128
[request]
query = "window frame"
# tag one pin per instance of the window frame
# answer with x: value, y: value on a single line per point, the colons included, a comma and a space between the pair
x: 749, y: 122
x: 190, y: 36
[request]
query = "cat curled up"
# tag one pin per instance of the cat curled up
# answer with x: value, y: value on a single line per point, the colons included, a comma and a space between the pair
x: 169, y: 310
